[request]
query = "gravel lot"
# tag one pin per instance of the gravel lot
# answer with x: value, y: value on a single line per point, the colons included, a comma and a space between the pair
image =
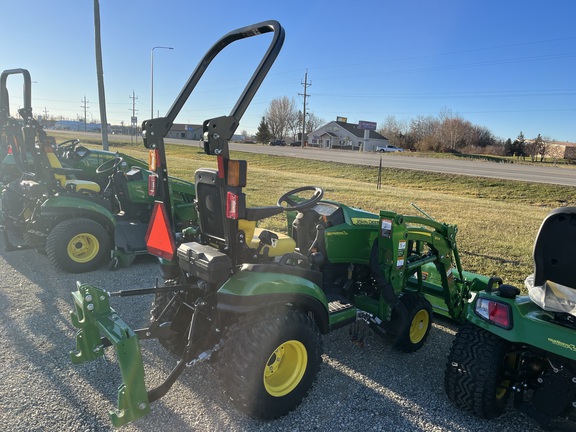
x: 372, y: 388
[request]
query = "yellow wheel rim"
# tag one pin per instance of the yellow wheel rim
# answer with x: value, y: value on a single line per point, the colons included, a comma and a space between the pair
x: 419, y: 326
x: 83, y: 248
x: 504, y: 384
x: 285, y: 368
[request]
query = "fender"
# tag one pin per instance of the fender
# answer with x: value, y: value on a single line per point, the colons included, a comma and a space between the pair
x: 248, y: 291
x: 529, y: 324
x: 70, y: 205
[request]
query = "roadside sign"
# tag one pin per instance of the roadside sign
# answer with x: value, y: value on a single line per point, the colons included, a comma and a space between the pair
x: 366, y: 125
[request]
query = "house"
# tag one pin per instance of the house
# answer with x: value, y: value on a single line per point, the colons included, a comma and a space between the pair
x: 561, y: 150
x: 185, y: 131
x: 346, y: 136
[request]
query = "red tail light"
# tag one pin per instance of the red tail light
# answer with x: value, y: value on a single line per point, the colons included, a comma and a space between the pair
x: 495, y: 312
x: 10, y: 149
x: 152, y: 182
x: 231, y: 205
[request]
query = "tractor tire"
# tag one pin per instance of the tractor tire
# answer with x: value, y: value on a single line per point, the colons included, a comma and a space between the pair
x: 419, y: 321
x: 268, y: 364
x: 78, y: 245
x: 475, y: 378
x: 175, y: 344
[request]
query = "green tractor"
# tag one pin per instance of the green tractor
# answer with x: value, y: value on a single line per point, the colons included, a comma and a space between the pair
x: 523, y: 346
x: 82, y: 216
x: 255, y: 301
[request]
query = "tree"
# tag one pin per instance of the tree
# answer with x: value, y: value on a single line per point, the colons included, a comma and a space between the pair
x: 263, y: 134
x: 280, y: 115
x: 395, y: 130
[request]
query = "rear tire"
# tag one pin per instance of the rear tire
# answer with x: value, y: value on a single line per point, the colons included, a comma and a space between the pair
x: 78, y: 245
x: 419, y: 321
x: 268, y: 364
x: 475, y: 379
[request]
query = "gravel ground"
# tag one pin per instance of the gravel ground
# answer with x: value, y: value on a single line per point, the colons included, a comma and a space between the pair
x: 372, y: 388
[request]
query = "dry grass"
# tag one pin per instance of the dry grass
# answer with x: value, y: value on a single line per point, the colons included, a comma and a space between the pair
x: 497, y: 219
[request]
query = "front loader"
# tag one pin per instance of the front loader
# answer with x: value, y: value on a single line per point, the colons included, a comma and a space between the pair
x: 255, y: 301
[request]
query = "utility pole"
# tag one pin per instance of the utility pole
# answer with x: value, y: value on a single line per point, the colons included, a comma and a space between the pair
x: 85, y: 107
x: 133, y: 119
x: 306, y: 84
x: 46, y: 116
x: 100, y: 76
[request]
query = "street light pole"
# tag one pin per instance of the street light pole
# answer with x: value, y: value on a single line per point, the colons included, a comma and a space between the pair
x: 152, y: 78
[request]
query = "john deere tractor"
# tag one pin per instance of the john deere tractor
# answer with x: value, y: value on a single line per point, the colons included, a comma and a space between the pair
x: 79, y: 216
x: 257, y: 301
x: 524, y: 346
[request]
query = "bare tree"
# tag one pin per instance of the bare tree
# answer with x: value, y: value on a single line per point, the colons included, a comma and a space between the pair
x: 280, y: 115
x: 422, y: 128
x: 313, y: 122
x: 395, y: 130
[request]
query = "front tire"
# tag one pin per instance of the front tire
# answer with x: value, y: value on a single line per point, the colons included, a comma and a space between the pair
x: 412, y: 336
x: 78, y: 245
x: 477, y: 377
x: 268, y: 364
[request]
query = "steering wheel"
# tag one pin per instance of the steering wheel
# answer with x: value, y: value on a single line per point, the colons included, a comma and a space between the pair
x: 109, y: 166
x: 63, y: 147
x: 304, y: 204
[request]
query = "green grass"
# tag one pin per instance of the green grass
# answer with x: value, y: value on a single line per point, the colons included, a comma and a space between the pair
x: 497, y: 219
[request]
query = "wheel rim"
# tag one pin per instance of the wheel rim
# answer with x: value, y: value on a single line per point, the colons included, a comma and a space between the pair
x: 285, y: 368
x: 419, y: 326
x: 83, y: 248
x: 505, y: 383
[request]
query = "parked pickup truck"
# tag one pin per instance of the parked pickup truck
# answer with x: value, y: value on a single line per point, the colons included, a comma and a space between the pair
x: 388, y: 148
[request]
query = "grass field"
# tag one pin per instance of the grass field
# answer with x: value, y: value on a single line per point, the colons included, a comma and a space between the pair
x: 497, y: 219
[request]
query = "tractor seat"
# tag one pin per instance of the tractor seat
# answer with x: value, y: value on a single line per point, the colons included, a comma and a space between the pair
x: 70, y: 184
x: 283, y: 245
x: 553, y: 284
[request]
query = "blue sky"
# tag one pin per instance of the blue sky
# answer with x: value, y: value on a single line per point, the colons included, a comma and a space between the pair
x: 507, y: 65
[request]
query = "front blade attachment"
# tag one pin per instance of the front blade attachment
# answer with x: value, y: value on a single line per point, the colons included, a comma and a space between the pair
x: 100, y: 326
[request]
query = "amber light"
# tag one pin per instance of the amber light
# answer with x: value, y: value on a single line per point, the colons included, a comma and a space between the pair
x: 152, y: 160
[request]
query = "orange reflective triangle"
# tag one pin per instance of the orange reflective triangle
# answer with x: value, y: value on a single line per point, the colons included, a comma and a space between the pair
x: 159, y: 237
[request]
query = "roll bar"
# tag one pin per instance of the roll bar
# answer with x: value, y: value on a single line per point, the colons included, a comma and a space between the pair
x: 218, y: 131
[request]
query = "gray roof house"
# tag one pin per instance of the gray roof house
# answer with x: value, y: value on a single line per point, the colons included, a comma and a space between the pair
x: 346, y: 136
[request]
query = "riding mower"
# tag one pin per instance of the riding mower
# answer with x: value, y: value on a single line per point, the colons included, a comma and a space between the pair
x: 256, y: 302
x: 78, y: 223
x: 523, y: 346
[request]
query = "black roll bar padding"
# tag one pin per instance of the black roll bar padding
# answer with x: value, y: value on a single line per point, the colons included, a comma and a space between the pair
x: 4, y: 99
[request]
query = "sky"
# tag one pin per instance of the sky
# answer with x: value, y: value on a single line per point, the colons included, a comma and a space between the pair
x: 506, y: 65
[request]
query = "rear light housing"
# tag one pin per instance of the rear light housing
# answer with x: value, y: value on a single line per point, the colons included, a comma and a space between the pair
x: 152, y: 184
x: 495, y: 312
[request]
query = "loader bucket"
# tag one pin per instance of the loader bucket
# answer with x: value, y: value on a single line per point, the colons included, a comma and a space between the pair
x: 99, y: 326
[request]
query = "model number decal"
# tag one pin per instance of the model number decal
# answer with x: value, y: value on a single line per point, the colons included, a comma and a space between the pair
x: 571, y: 347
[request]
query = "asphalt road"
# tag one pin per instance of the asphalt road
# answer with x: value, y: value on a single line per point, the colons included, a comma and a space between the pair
x: 529, y: 173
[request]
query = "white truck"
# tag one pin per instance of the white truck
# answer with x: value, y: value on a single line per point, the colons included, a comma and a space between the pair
x: 388, y: 148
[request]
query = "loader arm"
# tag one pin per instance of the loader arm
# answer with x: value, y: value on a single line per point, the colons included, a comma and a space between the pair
x: 407, y: 243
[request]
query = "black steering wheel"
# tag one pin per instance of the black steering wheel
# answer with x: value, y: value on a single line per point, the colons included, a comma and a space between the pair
x: 109, y: 166
x: 301, y: 204
x: 63, y: 147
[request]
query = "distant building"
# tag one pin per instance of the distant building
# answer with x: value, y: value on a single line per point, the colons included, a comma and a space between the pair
x: 185, y: 131
x: 346, y: 136
x: 76, y: 125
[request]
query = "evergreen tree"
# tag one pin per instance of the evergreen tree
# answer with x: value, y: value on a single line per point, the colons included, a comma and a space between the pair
x: 263, y: 134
